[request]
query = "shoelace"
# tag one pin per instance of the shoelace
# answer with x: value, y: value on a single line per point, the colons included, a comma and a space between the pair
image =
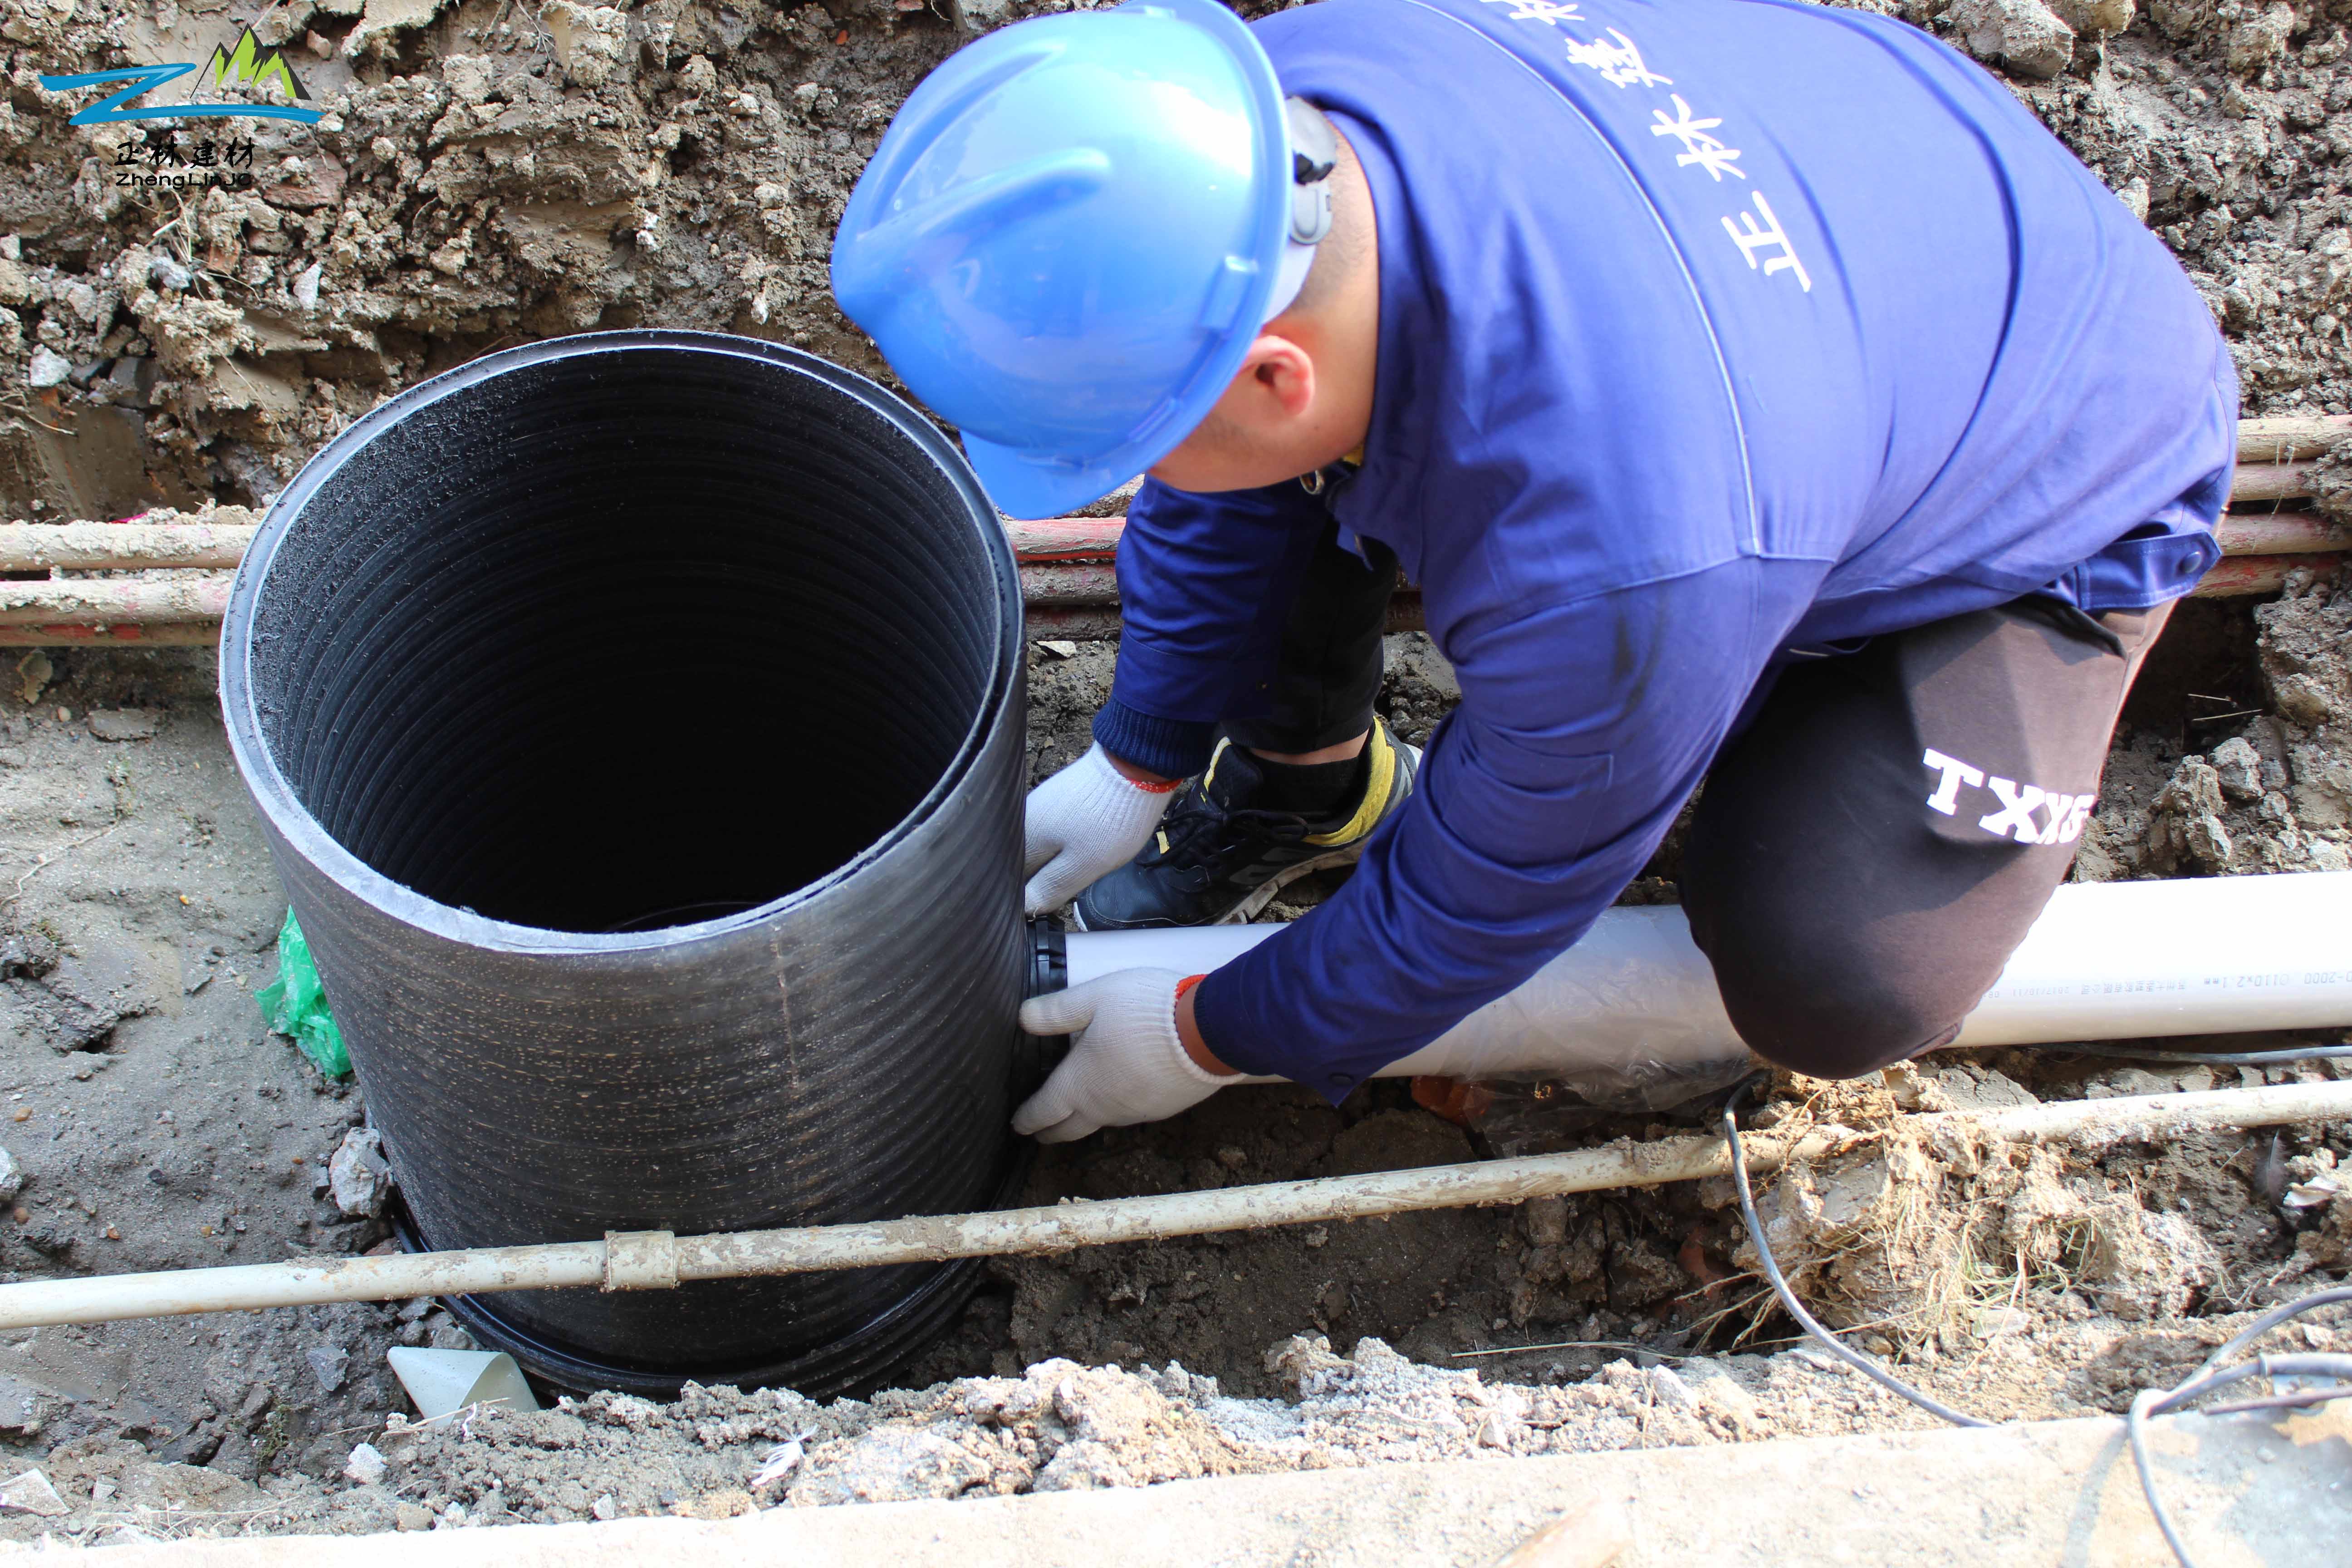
x: 1197, y: 825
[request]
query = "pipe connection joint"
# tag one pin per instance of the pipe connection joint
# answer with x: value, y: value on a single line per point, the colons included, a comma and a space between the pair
x: 640, y: 1260
x: 1049, y: 958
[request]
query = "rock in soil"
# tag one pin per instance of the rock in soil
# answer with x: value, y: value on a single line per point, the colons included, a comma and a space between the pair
x: 359, y: 1176
x: 32, y: 1493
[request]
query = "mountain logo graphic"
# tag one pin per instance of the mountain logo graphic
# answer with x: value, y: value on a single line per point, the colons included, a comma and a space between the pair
x: 245, y: 64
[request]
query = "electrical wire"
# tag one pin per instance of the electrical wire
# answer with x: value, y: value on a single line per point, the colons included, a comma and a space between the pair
x: 2272, y: 1320
x: 1794, y: 1307
x: 2209, y: 1377
x: 2309, y: 1396
x: 2158, y: 1401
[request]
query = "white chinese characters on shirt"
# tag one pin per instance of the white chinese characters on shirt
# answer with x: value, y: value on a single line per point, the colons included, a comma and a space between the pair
x: 1552, y: 11
x: 1753, y: 237
x: 1618, y: 62
x: 1699, y: 147
x: 1762, y: 242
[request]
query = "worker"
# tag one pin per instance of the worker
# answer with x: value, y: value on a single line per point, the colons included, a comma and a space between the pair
x: 1757, y: 392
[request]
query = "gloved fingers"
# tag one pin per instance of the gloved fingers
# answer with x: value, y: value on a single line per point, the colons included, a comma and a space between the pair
x: 1036, y: 897
x: 1126, y: 1064
x: 1061, y: 1012
x: 1063, y: 879
x: 1045, y: 817
x: 1069, y: 1129
x: 1054, y: 1103
x: 1037, y: 849
x: 1083, y: 823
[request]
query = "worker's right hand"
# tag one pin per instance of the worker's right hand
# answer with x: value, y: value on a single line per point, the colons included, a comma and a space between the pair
x: 1126, y: 1062
x: 1085, y: 822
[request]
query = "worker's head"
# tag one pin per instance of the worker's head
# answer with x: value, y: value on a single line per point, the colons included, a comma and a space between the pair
x: 1302, y: 398
x: 1102, y: 243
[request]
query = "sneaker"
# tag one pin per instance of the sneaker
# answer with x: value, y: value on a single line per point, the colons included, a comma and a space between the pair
x: 1218, y: 860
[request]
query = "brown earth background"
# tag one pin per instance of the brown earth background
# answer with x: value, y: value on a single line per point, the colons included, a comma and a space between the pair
x: 493, y: 171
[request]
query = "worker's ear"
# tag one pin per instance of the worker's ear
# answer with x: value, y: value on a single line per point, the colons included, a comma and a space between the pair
x: 1282, y: 372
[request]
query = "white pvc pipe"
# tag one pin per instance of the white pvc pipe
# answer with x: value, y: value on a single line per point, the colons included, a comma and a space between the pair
x: 2212, y: 956
x: 2106, y: 961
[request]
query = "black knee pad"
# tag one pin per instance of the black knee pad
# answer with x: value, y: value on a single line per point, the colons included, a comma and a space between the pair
x: 1829, y: 1013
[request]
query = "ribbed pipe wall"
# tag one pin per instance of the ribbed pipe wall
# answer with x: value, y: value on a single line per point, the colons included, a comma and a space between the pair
x: 633, y: 719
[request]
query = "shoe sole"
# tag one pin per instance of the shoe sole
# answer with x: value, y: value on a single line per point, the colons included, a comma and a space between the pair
x: 1262, y: 894
x: 1259, y: 897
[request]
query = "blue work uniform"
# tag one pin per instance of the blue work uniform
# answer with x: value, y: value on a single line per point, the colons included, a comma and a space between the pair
x: 1713, y: 334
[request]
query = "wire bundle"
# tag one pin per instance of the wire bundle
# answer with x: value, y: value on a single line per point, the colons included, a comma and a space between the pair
x: 2206, y: 1379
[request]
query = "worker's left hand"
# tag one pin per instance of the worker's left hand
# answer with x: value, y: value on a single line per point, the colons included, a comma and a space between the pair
x: 1126, y: 1063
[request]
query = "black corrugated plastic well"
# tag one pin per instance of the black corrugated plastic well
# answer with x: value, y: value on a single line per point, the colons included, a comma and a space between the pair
x: 636, y: 722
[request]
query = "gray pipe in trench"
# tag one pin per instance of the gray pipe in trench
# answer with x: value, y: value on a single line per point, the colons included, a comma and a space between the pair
x: 646, y: 1260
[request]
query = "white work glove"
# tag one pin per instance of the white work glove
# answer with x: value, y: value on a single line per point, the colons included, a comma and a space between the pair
x: 1126, y: 1064
x: 1085, y: 821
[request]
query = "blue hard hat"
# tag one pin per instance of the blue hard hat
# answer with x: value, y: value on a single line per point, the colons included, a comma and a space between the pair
x: 1069, y: 237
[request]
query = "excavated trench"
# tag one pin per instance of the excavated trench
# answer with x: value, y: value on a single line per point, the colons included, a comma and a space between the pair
x: 485, y: 178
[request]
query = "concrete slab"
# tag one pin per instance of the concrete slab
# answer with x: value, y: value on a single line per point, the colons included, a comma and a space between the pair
x: 2250, y: 1490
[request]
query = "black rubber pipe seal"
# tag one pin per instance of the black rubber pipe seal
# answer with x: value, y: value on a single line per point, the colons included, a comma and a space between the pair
x: 636, y: 723
x: 1049, y: 957
x: 1049, y: 971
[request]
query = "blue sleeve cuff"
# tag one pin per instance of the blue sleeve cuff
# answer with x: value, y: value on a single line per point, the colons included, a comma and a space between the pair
x: 1218, y: 1014
x: 1172, y: 748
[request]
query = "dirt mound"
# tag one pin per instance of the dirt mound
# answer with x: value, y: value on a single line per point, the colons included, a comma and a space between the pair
x: 2276, y: 795
x: 483, y: 174
x: 1060, y: 1427
x: 201, y: 315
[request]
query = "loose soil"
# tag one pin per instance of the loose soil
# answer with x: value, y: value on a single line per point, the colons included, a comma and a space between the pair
x: 487, y: 174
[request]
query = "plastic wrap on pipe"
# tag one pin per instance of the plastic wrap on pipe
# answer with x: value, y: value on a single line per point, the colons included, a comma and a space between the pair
x: 1634, y: 991
x: 2106, y: 961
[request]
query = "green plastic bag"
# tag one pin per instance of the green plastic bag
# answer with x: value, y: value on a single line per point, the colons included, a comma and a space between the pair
x: 294, y: 1005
